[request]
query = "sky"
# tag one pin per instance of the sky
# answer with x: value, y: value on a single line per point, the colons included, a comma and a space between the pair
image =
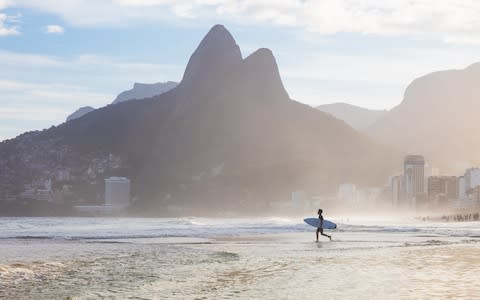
x: 57, y: 56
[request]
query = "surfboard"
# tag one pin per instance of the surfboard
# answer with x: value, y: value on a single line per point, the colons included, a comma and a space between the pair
x: 315, y: 222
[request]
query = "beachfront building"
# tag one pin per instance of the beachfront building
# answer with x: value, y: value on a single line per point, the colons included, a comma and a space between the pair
x: 396, y: 183
x: 117, y: 192
x: 468, y: 190
x: 117, y: 199
x: 429, y: 171
x: 472, y: 178
x: 442, y: 190
x: 414, y: 177
x: 462, y: 191
x: 44, y: 195
x: 62, y: 175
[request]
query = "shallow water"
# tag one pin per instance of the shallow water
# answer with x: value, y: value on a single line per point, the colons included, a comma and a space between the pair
x: 263, y: 258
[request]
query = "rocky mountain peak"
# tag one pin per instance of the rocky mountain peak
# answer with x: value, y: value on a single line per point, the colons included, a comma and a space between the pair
x: 216, y: 54
x: 263, y: 75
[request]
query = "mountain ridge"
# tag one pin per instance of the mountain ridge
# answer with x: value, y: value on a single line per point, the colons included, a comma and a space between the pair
x: 437, y: 118
x: 226, y: 138
x: 80, y: 113
x: 144, y: 90
x: 357, y: 117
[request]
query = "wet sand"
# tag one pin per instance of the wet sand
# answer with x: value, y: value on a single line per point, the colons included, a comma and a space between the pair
x: 355, y: 265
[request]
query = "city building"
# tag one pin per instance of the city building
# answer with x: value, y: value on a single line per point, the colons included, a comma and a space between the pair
x: 117, y: 199
x: 62, y: 175
x: 429, y: 171
x: 472, y: 178
x: 462, y: 191
x: 117, y: 192
x: 442, y: 190
x: 414, y: 177
x: 396, y: 183
x: 468, y: 190
x: 435, y: 186
x: 44, y: 195
x: 451, y: 189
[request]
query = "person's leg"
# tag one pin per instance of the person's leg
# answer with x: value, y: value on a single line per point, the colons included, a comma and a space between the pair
x: 324, y: 234
x: 329, y: 237
x: 318, y: 229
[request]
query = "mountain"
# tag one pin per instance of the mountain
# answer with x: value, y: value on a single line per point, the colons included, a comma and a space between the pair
x: 144, y: 90
x: 139, y: 91
x: 80, y: 113
x: 228, y: 137
x: 438, y: 118
x: 358, y: 117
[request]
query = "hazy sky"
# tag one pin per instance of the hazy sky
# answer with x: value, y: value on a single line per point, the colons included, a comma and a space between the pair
x: 58, y: 55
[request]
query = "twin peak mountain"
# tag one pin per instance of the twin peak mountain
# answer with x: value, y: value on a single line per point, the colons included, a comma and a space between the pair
x: 228, y: 136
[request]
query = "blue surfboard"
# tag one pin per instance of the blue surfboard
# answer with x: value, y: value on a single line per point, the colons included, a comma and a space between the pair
x: 315, y: 222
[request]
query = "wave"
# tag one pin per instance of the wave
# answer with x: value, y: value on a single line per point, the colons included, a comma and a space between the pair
x: 130, y: 228
x: 92, y: 229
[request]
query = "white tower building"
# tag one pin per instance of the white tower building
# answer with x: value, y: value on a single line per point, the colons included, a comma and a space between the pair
x: 414, y: 176
x: 117, y: 192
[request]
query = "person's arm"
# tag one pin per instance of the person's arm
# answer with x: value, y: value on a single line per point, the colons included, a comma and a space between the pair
x: 321, y: 221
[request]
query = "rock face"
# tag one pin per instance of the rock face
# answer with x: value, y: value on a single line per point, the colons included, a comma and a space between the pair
x: 438, y: 118
x: 80, y: 113
x: 227, y: 137
x: 358, y: 117
x: 145, y: 90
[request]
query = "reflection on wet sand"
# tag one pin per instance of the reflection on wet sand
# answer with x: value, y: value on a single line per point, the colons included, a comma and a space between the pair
x: 357, y: 264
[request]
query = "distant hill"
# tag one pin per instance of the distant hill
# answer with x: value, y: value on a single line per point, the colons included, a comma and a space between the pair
x: 358, y: 117
x: 438, y: 118
x: 80, y: 113
x: 228, y: 137
x: 145, y: 90
x: 139, y: 91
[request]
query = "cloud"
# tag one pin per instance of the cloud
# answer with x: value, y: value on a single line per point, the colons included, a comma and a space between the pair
x: 54, y: 29
x: 5, y: 3
x: 5, y: 25
x: 88, y: 65
x: 33, y: 106
x: 375, y: 81
x: 89, y: 79
x: 41, y: 97
x: 451, y: 22
x: 38, y: 91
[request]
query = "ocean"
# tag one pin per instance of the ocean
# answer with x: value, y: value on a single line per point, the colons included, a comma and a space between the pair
x: 236, y: 258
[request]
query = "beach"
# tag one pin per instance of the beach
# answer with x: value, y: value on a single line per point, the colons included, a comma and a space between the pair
x: 260, y: 258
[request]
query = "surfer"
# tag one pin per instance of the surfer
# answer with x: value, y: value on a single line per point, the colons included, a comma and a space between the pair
x: 320, y: 227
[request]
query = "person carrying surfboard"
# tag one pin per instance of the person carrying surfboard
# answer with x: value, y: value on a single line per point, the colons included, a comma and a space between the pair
x: 320, y: 227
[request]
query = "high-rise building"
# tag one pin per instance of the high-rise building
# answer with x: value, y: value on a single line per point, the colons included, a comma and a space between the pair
x: 428, y: 172
x: 442, y: 189
x: 436, y: 186
x: 413, y: 172
x: 472, y: 178
x: 462, y: 193
x: 451, y: 187
x: 117, y: 192
x: 396, y: 189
